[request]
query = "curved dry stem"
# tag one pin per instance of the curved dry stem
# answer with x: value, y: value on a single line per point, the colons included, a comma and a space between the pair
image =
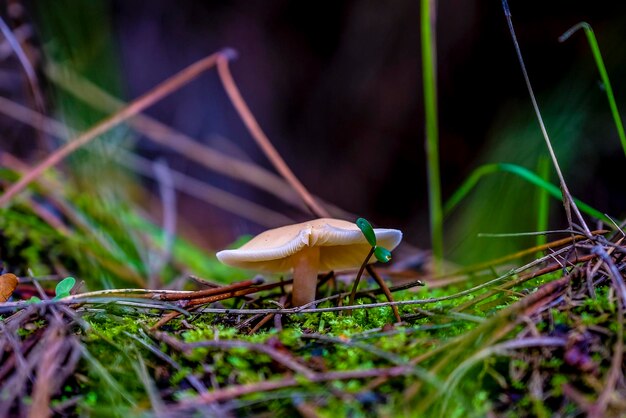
x: 263, y: 141
x: 568, y: 200
x: 138, y: 105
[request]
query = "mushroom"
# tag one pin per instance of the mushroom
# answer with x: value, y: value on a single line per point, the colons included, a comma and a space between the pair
x: 307, y: 249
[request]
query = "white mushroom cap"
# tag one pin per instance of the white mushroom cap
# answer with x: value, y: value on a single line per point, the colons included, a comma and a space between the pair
x: 341, y: 243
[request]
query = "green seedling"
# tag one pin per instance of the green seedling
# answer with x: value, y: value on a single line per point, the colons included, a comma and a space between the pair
x: 64, y: 287
x: 381, y: 253
x: 367, y: 231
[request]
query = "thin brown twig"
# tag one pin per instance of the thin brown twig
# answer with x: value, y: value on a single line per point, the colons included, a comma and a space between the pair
x: 211, y: 292
x: 263, y: 141
x: 568, y: 201
x: 598, y: 409
x: 550, y: 245
x: 181, y: 143
x: 44, y: 385
x: 31, y: 76
x: 193, y: 187
x: 136, y: 106
x: 522, y: 279
x: 357, y: 279
x: 232, y: 392
x: 262, y: 322
x: 385, y: 290
x: 280, y: 357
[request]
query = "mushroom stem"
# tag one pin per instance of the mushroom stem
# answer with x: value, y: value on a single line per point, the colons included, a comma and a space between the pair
x: 305, y: 269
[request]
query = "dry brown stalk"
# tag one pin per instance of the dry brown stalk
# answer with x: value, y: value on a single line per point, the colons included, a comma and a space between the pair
x: 185, y: 145
x: 210, y: 292
x: 232, y: 392
x: 280, y: 357
x: 523, y: 278
x: 138, y: 105
x: 263, y: 141
x: 385, y: 290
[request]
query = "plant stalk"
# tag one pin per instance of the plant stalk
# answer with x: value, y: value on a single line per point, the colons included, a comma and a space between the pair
x: 428, y: 20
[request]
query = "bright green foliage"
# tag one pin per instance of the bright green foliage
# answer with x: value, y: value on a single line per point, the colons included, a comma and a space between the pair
x: 382, y: 254
x: 64, y: 287
x: 367, y: 230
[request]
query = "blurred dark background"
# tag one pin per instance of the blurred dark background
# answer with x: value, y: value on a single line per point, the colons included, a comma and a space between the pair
x: 337, y: 88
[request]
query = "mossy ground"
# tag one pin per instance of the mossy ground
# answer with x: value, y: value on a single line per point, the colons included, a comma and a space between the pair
x: 118, y: 340
x: 436, y: 362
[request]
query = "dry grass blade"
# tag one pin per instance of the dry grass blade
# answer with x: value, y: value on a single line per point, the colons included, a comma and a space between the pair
x: 568, y: 200
x: 31, y: 76
x: 138, y: 105
x: 212, y: 195
x: 282, y: 358
x: 232, y: 392
x: 58, y: 361
x: 181, y: 143
x: 202, y: 191
x: 263, y: 141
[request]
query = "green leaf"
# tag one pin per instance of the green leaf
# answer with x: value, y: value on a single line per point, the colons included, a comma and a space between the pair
x: 382, y: 254
x: 64, y: 287
x: 367, y: 230
x: 595, y: 49
x: 33, y: 299
x: 525, y: 174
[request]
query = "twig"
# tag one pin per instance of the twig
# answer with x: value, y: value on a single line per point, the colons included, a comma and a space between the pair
x: 274, y: 354
x: 185, y: 145
x: 263, y: 141
x: 262, y: 322
x: 385, y: 290
x: 264, y: 386
x: 568, y: 201
x: 392, y: 358
x: 355, y: 285
x: 179, y: 295
x: 48, y: 369
x: 25, y: 63
x: 138, y: 105
x: 522, y: 279
x: 205, y: 192
x: 165, y: 181
x: 520, y: 254
x: 598, y: 409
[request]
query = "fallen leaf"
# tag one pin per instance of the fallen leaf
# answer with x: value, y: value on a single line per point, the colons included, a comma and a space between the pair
x: 8, y: 283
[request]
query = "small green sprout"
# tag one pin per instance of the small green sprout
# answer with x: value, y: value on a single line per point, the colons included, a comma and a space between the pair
x: 64, y: 287
x: 367, y: 230
x: 382, y: 254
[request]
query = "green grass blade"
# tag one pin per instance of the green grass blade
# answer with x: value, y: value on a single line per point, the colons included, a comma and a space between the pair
x: 427, y: 17
x: 595, y: 49
x: 543, y: 203
x: 525, y: 174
